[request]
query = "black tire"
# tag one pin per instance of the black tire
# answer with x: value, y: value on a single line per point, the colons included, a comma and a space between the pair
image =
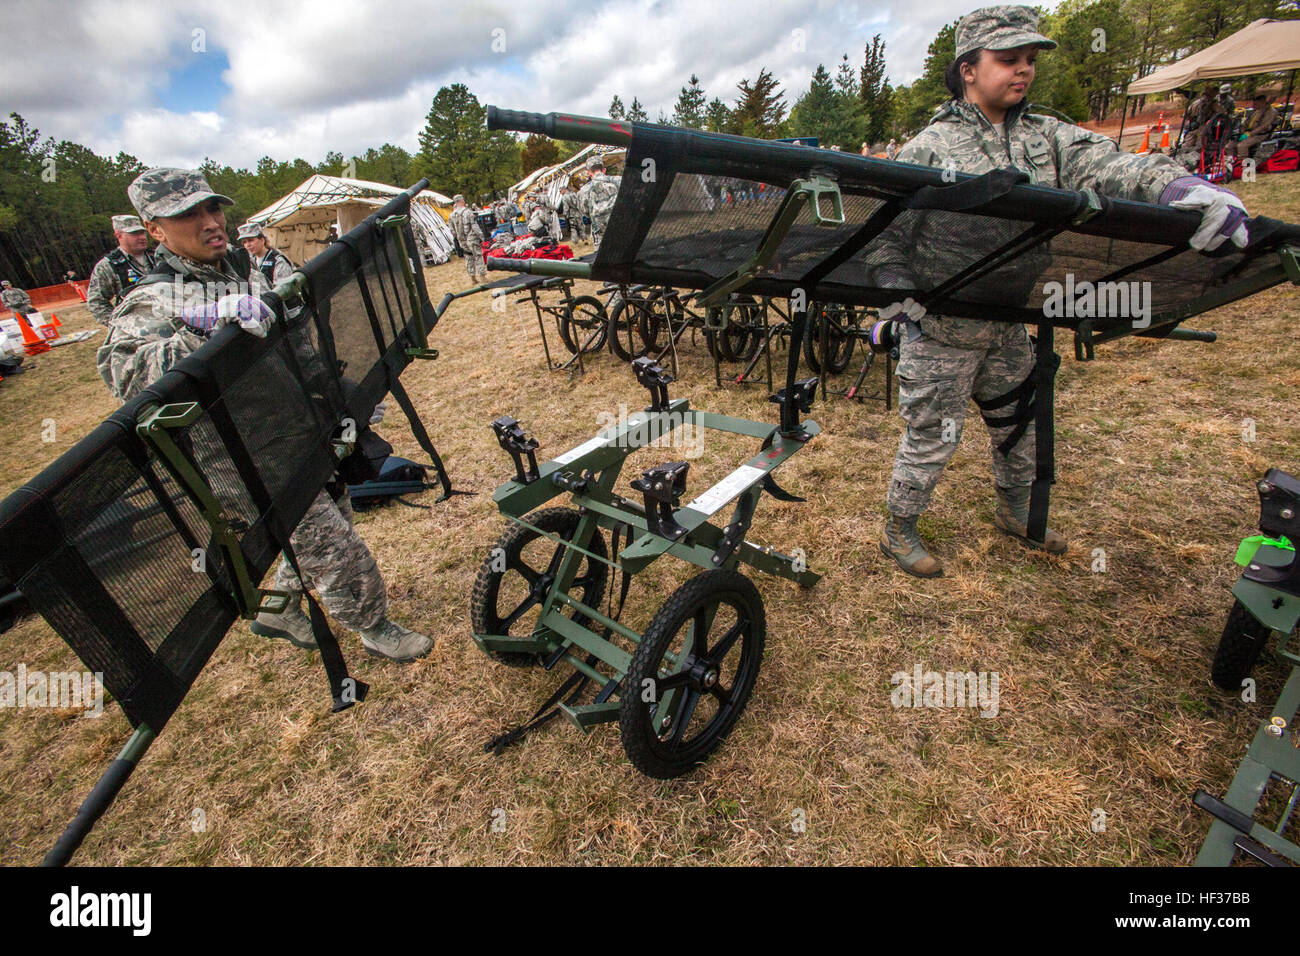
x: 1239, y: 647
x: 653, y: 324
x: 624, y: 332
x: 738, y: 634
x: 524, y: 586
x: 577, y: 325
x: 743, y: 335
x: 832, y: 321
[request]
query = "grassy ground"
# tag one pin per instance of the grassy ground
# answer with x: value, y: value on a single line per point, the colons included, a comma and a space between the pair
x: 1105, y: 702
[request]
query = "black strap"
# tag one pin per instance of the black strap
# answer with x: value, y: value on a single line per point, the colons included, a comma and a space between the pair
x: 1023, y: 395
x: 1044, y: 432
x: 960, y: 197
x: 422, y: 436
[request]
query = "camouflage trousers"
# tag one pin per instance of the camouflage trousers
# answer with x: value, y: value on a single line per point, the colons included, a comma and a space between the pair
x: 474, y: 263
x: 598, y: 224
x: 935, y: 385
x: 337, y: 565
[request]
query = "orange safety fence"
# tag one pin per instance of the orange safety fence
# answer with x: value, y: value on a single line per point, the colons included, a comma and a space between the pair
x: 65, y: 293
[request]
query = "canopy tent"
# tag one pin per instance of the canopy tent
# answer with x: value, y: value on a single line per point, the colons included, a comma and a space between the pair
x: 550, y: 180
x: 1265, y: 46
x: 299, y: 224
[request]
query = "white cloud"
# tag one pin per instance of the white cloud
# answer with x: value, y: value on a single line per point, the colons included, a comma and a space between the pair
x: 343, y: 75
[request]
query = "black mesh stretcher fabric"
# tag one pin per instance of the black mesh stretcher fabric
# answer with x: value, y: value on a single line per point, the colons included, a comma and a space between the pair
x: 693, y: 207
x: 103, y: 542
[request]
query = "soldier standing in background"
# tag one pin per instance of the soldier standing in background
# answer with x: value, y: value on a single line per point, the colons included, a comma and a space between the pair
x: 598, y: 198
x: 469, y: 234
x: 945, y: 362
x: 172, y: 313
x: 271, y: 262
x: 115, y: 274
x: 571, y: 210
x: 15, y: 300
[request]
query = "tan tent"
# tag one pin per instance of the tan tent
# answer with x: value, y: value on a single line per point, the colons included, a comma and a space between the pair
x: 299, y: 224
x: 1265, y: 46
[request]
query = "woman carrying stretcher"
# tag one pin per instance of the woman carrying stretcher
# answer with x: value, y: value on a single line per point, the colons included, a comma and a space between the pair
x: 945, y: 362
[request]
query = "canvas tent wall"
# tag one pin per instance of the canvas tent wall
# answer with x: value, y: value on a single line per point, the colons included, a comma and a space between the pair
x: 550, y: 180
x: 299, y: 223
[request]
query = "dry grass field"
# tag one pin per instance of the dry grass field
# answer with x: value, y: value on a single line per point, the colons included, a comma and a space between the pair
x: 1105, y: 699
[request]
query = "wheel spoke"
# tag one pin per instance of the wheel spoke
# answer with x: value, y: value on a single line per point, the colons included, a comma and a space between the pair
x: 517, y: 563
x: 680, y: 679
x: 720, y: 692
x: 691, y: 697
x: 518, y: 612
x: 728, y: 640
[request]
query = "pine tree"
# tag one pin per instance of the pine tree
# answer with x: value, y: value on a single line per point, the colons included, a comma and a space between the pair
x: 690, y: 108
x: 761, y: 106
x: 636, y: 112
x: 717, y: 118
x: 616, y: 109
x: 457, y: 153
x: 874, y: 91
x: 814, y: 112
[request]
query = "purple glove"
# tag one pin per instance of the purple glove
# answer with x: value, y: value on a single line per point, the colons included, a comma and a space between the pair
x: 248, y: 311
x: 1222, y: 214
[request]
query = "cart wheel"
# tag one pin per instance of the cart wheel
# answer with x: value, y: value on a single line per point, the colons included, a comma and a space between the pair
x: 1243, y: 638
x: 831, y: 321
x: 587, y: 316
x: 624, y: 335
x: 714, y: 626
x: 506, y: 603
x: 656, y: 321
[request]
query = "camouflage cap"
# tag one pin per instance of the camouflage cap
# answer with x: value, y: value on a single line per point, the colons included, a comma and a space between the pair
x: 250, y: 230
x: 164, y: 191
x: 458, y: 198
x: 1000, y: 28
x: 127, y: 224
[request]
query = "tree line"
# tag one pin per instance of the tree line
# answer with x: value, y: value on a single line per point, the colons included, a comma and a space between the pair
x: 56, y: 197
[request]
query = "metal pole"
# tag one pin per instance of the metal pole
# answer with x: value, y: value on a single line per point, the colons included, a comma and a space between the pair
x: 1123, y: 116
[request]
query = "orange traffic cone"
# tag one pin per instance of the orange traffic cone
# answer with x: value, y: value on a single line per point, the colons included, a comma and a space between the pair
x: 1164, y: 140
x: 33, y: 344
x: 54, y: 320
x: 1146, y: 142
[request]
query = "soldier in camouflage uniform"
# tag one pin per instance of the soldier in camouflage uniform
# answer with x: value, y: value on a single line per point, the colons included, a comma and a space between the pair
x: 15, y: 300
x: 464, y: 225
x: 195, y: 290
x: 571, y: 210
x: 598, y: 198
x: 945, y: 362
x: 122, y: 268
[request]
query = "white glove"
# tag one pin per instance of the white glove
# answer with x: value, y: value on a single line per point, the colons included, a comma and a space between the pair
x: 377, y: 415
x: 906, y: 311
x: 1222, y: 214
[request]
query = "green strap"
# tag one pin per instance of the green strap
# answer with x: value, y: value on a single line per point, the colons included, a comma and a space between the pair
x: 1246, y: 550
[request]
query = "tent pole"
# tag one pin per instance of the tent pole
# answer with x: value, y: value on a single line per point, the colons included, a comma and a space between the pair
x: 1123, y: 115
x: 1290, y: 84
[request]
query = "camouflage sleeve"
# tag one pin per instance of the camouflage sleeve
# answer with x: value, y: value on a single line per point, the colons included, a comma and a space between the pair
x: 1088, y: 160
x: 283, y: 269
x: 893, y: 258
x: 100, y: 293
x: 134, y: 355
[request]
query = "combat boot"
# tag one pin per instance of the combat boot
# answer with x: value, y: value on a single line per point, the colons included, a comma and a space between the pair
x: 902, y: 543
x: 290, y: 625
x: 1012, y: 517
x: 397, y: 643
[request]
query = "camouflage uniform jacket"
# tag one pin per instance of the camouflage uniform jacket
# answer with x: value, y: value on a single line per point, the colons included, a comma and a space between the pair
x: 598, y: 198
x: 464, y: 225
x: 931, y: 246
x: 16, y: 301
x: 571, y: 208
x: 105, y: 291
x: 146, y: 336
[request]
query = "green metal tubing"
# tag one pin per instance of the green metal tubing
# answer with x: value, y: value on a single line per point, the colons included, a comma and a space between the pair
x: 599, y: 618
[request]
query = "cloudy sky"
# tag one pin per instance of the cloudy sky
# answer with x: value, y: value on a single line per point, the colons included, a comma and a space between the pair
x: 172, y: 83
